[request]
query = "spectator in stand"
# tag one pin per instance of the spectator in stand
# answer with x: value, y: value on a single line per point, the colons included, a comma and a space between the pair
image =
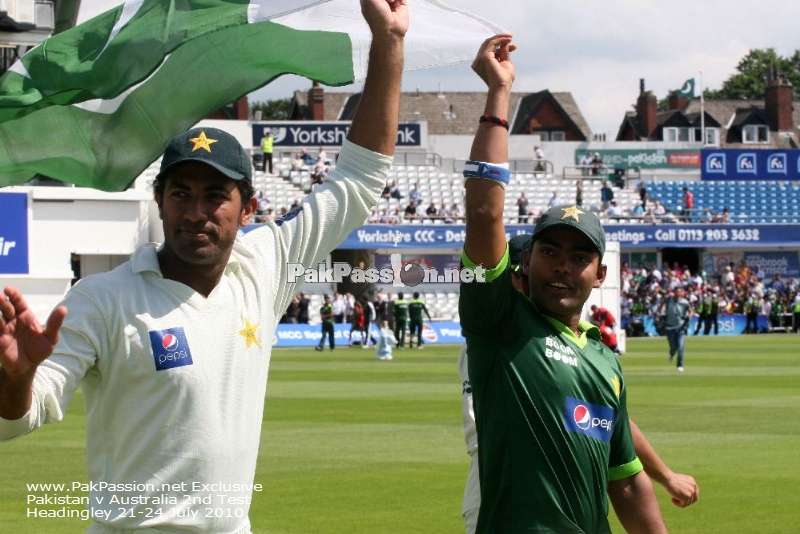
x: 554, y: 200
x: 397, y: 216
x: 320, y: 168
x: 597, y: 164
x: 387, y: 191
x: 613, y: 211
x: 539, y: 160
x: 455, y: 212
x: 385, y: 218
x: 586, y: 164
x: 606, y: 195
x: 411, y: 211
x: 688, y: 205
x: 261, y: 207
x: 579, y: 193
x: 297, y: 163
x: 415, y: 194
x: 444, y: 213
x: 725, y: 216
x: 308, y: 159
x: 431, y: 211
x: 643, y: 194
x: 522, y: 209
x: 295, y: 204
x: 394, y: 191
x: 322, y: 155
x: 317, y: 179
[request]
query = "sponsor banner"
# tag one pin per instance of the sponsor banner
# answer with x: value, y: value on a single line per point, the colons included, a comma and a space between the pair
x: 14, y: 233
x: 304, y: 335
x: 784, y: 263
x: 728, y: 325
x: 628, y: 236
x: 645, y: 158
x: 752, y: 165
x: 314, y: 133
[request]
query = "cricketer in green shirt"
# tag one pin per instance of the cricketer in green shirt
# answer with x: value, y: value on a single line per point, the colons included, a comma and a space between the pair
x: 415, y: 309
x: 400, y: 320
x: 550, y: 411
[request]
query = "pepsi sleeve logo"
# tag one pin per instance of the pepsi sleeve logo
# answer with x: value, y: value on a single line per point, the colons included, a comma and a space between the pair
x: 170, y: 348
x: 590, y: 419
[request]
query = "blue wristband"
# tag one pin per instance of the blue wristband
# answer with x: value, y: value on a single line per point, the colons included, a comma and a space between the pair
x: 487, y: 171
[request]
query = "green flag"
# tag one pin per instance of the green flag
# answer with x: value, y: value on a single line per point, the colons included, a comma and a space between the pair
x: 95, y: 105
x: 687, y: 89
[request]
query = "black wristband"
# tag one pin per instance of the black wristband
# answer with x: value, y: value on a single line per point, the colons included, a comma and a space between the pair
x: 496, y: 120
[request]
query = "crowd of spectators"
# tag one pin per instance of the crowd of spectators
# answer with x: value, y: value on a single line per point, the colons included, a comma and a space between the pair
x: 738, y: 289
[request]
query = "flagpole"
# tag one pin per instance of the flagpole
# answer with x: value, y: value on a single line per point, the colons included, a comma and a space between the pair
x: 702, y: 112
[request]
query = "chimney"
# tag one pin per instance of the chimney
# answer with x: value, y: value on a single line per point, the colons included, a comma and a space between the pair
x: 316, y: 102
x: 677, y: 102
x: 647, y: 109
x: 779, y: 105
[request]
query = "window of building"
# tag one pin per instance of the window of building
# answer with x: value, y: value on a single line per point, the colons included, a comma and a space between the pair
x: 552, y: 135
x: 755, y: 133
x: 712, y: 136
x: 677, y: 134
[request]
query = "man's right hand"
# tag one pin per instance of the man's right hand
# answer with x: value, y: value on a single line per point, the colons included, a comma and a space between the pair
x: 23, y: 342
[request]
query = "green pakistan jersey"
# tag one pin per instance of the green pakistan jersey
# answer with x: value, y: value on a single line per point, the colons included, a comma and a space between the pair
x: 550, y: 412
x: 415, y: 308
x: 401, y: 310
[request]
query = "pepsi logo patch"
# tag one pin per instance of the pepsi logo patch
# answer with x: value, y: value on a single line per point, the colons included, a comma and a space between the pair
x: 170, y: 348
x: 590, y: 419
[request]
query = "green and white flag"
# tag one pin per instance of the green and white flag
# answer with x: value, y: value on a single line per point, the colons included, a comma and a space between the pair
x: 95, y: 105
x: 687, y: 89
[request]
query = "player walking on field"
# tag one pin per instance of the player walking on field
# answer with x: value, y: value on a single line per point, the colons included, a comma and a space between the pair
x: 550, y: 399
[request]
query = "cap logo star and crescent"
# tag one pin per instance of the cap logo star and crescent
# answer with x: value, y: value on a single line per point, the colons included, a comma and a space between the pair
x: 572, y: 212
x: 201, y: 141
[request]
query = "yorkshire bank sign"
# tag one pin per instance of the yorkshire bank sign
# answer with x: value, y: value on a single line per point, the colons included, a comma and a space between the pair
x: 315, y: 133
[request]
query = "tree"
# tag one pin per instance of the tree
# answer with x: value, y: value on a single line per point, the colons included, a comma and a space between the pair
x: 274, y: 110
x: 753, y: 72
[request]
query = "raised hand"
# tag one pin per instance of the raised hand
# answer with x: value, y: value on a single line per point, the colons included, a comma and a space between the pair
x: 386, y: 16
x: 23, y: 342
x: 493, y: 62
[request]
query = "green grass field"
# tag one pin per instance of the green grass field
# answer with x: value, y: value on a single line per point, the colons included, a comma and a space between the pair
x: 354, y: 445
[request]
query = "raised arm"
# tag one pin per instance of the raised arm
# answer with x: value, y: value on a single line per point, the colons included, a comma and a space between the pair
x: 485, y: 241
x: 23, y: 346
x: 683, y: 489
x: 375, y: 123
